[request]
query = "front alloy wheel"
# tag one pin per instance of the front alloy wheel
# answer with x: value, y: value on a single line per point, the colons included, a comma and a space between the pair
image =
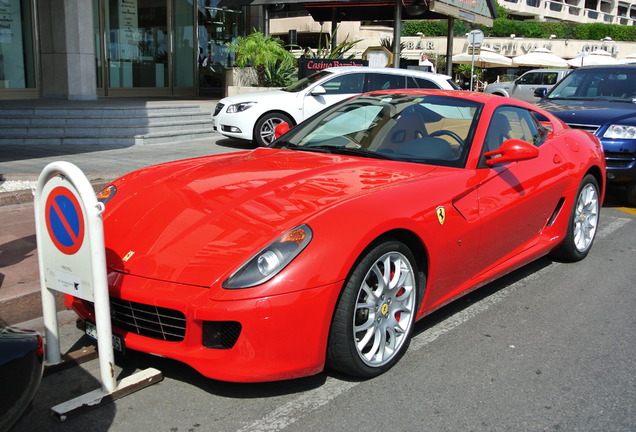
x: 264, y: 130
x: 583, y: 222
x: 586, y: 217
x: 375, y: 316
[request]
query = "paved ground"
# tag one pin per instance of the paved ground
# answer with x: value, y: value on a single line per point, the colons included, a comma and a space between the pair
x: 20, y: 167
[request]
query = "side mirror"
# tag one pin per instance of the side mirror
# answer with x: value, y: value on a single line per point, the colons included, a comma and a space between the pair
x: 318, y: 90
x: 512, y: 150
x: 540, y: 92
x: 281, y: 129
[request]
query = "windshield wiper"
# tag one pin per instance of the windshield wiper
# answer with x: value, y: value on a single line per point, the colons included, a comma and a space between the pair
x: 350, y: 151
x: 286, y: 145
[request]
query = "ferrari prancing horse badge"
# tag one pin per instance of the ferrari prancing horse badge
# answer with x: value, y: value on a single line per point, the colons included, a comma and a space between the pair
x: 441, y: 214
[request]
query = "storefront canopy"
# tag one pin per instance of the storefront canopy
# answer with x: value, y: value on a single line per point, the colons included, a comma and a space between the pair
x: 476, y: 11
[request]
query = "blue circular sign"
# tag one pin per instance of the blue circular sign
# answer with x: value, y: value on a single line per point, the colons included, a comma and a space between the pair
x: 64, y: 220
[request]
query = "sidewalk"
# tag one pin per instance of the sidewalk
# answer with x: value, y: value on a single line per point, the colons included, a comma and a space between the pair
x: 20, y: 167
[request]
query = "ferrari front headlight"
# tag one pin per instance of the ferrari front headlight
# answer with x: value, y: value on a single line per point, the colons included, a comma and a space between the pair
x: 239, y: 107
x: 271, y: 260
x: 620, y: 132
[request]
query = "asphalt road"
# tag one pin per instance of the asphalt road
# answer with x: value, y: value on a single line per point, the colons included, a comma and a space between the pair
x: 549, y: 347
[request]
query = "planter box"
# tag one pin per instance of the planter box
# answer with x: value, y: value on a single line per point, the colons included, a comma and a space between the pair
x: 235, y: 90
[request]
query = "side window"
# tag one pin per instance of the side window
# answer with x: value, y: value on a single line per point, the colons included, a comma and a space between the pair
x: 550, y: 78
x: 512, y: 122
x: 531, y: 78
x: 386, y: 81
x: 421, y: 83
x: 345, y: 84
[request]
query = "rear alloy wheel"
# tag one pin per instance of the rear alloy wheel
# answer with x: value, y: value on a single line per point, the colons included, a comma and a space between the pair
x: 264, y: 128
x: 374, y: 318
x: 583, y: 222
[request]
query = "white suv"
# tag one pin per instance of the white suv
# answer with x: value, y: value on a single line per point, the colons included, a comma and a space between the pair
x: 253, y: 116
x: 523, y: 87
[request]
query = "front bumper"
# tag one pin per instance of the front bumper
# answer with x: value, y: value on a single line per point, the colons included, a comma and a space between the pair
x: 620, y: 159
x: 250, y: 340
x: 240, y: 125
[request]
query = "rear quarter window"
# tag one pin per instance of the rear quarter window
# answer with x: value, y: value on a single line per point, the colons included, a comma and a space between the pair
x: 422, y: 83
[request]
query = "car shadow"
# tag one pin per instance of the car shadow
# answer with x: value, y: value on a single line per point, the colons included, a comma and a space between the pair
x: 60, y: 387
x: 236, y: 144
x: 615, y: 197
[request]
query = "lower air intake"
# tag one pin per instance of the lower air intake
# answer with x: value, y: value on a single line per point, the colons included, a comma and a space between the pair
x: 220, y: 334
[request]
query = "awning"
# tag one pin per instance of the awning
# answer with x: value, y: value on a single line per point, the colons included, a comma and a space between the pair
x: 477, y: 11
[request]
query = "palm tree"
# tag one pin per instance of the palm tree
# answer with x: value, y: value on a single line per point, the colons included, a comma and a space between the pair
x: 262, y: 52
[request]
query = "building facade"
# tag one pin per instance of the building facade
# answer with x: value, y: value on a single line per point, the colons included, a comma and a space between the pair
x: 621, y: 12
x: 84, y: 49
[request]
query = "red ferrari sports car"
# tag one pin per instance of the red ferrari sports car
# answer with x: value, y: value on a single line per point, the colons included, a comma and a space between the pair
x: 324, y: 248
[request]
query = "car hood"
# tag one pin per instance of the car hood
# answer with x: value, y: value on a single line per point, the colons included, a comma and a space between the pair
x: 196, y: 221
x: 590, y: 112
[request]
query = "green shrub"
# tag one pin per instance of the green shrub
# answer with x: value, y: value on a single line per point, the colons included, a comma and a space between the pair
x: 503, y: 27
x: 265, y: 53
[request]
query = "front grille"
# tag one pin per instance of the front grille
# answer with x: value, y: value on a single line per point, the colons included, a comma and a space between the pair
x: 619, y: 159
x: 149, y: 321
x: 218, y: 109
x: 590, y: 128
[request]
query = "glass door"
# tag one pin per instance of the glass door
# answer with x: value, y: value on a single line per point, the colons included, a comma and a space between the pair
x: 137, y: 44
x: 17, y: 53
x: 216, y: 27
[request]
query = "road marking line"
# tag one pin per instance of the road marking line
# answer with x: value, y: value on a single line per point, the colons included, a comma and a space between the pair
x: 612, y: 226
x: 287, y: 414
x: 290, y: 412
x: 627, y: 210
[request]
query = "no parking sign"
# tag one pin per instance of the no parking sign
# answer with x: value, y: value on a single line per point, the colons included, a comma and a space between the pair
x: 64, y: 220
x: 70, y: 232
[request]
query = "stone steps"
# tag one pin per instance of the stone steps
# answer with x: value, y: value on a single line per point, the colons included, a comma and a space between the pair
x: 122, y: 125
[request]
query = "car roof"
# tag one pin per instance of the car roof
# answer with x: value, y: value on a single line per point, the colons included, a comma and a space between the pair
x: 388, y: 70
x: 614, y: 66
x: 548, y: 70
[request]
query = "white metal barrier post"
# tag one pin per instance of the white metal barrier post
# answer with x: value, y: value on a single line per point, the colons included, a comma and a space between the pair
x: 72, y: 260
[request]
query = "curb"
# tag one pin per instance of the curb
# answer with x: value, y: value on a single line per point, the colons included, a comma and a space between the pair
x: 23, y: 196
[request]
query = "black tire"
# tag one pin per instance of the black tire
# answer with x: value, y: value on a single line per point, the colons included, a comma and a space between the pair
x: 631, y: 193
x: 373, y: 320
x: 583, y: 222
x: 264, y: 128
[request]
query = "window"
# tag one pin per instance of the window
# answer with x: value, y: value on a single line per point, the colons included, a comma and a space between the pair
x: 17, y: 66
x: 531, y: 78
x: 511, y: 122
x: 345, y: 84
x: 550, y: 78
x: 386, y: 81
x: 421, y: 83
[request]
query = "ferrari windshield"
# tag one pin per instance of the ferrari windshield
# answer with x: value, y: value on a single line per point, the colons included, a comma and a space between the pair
x: 307, y: 81
x: 426, y: 128
x: 614, y: 84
